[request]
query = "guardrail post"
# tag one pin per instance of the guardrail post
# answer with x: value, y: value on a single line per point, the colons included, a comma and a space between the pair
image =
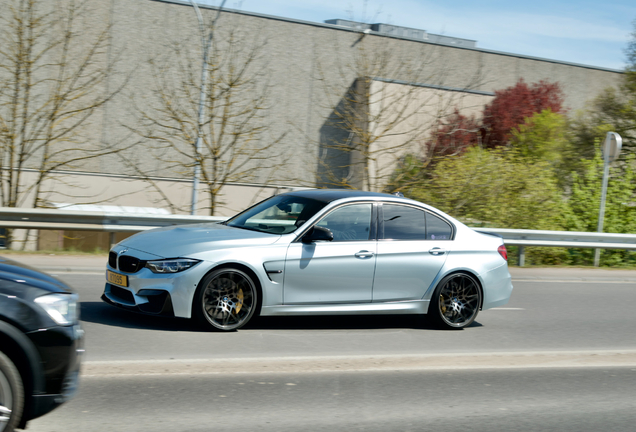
x: 111, y: 238
x: 522, y: 256
x: 597, y: 257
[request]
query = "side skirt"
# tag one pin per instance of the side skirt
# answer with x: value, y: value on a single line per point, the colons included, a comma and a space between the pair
x: 387, y: 308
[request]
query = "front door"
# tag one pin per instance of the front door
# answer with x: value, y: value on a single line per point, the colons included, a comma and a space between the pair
x: 340, y: 271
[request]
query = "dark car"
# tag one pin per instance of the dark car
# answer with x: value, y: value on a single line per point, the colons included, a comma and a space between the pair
x: 41, y: 344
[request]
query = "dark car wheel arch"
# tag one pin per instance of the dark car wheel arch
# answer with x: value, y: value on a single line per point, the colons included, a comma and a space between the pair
x: 21, y: 351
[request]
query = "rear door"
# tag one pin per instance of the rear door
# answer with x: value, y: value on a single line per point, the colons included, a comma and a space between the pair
x: 413, y: 245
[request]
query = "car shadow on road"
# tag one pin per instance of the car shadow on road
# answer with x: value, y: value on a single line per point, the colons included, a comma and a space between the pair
x: 350, y: 322
x: 102, y: 313
x: 357, y: 322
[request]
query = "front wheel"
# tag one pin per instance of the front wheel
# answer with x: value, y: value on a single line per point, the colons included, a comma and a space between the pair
x: 227, y: 299
x: 456, y: 301
x: 11, y: 395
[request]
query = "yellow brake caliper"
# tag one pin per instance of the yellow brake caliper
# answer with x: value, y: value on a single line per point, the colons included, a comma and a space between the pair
x: 240, y: 297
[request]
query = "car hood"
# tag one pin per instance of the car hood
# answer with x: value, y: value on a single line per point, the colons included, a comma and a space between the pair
x: 23, y: 275
x: 186, y: 240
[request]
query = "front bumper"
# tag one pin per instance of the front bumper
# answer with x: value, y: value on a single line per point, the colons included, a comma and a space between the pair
x: 158, y: 302
x: 61, y: 351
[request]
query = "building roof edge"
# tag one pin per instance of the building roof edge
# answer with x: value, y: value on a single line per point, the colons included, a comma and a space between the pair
x: 341, y: 28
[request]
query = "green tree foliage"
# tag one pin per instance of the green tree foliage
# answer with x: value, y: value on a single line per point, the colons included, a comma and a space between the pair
x: 548, y: 175
x: 497, y: 188
x: 502, y: 187
x: 542, y: 137
x: 630, y: 70
x: 547, y: 136
x: 613, y: 110
x: 620, y: 208
x: 514, y: 187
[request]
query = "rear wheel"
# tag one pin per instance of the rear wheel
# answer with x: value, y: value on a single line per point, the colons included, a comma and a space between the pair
x: 226, y: 299
x: 11, y: 395
x: 456, y: 301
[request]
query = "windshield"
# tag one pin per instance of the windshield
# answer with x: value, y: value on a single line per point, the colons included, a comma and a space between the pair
x: 281, y: 214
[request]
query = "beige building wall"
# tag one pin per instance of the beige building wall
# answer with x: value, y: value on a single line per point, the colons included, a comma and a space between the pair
x: 308, y: 69
x: 133, y: 192
x: 421, y: 110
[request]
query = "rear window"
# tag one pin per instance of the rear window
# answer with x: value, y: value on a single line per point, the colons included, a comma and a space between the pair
x: 408, y: 223
x: 437, y: 228
x: 403, y: 223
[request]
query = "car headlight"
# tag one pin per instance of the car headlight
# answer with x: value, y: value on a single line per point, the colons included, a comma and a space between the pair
x: 62, y: 308
x: 171, y: 265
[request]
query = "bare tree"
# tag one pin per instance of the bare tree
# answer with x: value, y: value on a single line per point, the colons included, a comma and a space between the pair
x: 235, y: 141
x: 53, y: 70
x: 394, y: 99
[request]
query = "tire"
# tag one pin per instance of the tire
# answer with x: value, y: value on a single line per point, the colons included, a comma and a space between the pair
x: 226, y: 299
x: 11, y: 395
x: 456, y: 301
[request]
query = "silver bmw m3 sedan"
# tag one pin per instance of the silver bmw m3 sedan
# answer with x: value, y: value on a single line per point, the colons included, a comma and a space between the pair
x: 313, y: 252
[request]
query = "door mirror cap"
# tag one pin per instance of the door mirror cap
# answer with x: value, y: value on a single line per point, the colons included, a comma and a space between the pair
x: 317, y: 233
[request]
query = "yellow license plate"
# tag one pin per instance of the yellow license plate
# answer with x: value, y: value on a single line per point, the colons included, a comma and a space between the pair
x: 117, y: 279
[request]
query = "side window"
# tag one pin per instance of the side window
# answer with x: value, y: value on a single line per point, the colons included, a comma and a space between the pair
x: 437, y: 229
x: 349, y: 223
x: 403, y: 223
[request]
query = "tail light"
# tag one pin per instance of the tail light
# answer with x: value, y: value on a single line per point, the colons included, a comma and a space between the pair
x: 503, y: 252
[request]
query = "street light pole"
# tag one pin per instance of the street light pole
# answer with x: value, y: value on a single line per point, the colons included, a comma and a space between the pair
x: 205, y: 43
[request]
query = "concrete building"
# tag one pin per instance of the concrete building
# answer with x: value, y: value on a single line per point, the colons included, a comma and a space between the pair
x: 303, y: 74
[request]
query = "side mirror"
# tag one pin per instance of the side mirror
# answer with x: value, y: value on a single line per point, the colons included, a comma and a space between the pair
x: 317, y: 233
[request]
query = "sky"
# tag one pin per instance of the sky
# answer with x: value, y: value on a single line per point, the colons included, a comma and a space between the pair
x: 578, y: 31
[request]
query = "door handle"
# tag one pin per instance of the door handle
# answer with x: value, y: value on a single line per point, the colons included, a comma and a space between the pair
x: 437, y: 251
x: 364, y: 254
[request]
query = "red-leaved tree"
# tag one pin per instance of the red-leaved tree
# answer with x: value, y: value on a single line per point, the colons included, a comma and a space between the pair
x: 513, y: 105
x: 509, y: 109
x: 454, y: 135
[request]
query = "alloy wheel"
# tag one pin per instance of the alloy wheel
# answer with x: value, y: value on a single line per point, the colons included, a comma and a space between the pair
x: 229, y: 299
x: 459, y: 301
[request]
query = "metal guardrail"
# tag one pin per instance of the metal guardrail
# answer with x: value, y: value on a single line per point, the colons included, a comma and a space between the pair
x: 126, y: 222
x: 92, y: 221
x: 567, y: 239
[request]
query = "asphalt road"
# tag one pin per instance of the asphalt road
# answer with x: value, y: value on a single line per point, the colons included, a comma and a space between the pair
x: 541, y: 316
x: 598, y: 399
x: 560, y: 356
